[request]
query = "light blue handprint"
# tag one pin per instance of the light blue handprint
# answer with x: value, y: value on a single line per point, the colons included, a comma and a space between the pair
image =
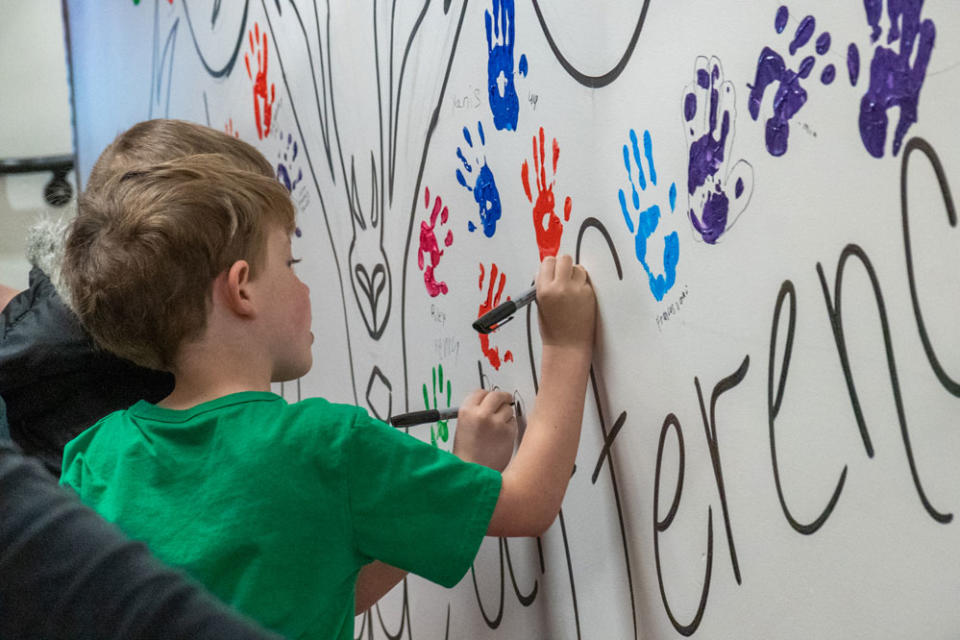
x: 648, y: 220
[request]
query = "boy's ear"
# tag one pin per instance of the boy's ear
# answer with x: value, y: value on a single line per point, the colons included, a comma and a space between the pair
x: 235, y: 289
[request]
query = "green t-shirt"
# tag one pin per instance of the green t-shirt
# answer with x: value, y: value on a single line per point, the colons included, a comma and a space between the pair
x: 275, y: 506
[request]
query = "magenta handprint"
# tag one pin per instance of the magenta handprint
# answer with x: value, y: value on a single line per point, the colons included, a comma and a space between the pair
x: 430, y: 248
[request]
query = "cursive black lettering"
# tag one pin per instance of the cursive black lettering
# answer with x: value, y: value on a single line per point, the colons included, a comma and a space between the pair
x: 921, y: 145
x: 787, y: 291
x: 835, y: 313
x: 660, y: 526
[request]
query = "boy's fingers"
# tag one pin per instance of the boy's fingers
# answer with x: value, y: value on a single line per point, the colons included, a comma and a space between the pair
x: 495, y: 400
x: 505, y: 414
x: 547, y: 270
x: 564, y: 268
x: 475, y: 398
x: 579, y: 274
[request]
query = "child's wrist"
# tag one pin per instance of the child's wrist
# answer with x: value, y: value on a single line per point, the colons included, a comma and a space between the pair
x: 569, y: 354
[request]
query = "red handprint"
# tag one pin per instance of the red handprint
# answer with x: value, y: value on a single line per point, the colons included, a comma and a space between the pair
x: 492, y: 353
x: 429, y: 245
x: 545, y: 221
x: 263, y: 114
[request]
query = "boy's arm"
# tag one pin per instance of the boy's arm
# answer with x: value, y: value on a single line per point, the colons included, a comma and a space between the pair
x: 536, y: 479
x: 375, y: 581
x: 486, y: 433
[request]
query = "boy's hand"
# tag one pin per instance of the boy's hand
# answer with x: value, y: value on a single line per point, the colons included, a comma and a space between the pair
x: 566, y: 302
x: 486, y: 429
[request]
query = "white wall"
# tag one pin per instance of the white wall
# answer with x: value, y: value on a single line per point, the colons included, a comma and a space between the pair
x: 705, y: 366
x: 34, y: 119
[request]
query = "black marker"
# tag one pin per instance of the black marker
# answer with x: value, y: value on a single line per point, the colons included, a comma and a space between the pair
x: 424, y: 417
x: 491, y: 320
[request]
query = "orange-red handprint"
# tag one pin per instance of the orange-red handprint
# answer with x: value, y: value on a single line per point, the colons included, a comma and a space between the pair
x: 493, y: 299
x: 262, y: 102
x: 545, y: 221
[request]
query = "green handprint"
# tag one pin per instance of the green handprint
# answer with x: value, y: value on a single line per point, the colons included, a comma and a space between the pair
x: 441, y: 430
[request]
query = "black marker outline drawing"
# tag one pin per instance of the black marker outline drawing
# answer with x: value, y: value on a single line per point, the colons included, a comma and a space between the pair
x: 594, y: 82
x: 160, y: 91
x: 228, y: 66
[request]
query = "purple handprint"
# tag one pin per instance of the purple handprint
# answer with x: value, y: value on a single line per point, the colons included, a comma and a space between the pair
x: 790, y: 95
x: 894, y: 81
x: 710, y: 101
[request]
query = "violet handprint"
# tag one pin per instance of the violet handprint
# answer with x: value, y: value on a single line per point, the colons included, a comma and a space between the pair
x: 717, y: 193
x: 897, y: 72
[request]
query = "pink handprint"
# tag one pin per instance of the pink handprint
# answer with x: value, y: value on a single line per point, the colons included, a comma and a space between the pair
x: 545, y: 221
x: 492, y: 300
x: 262, y: 103
x: 430, y: 246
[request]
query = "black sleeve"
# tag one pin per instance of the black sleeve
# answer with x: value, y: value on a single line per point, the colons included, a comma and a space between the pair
x: 67, y: 573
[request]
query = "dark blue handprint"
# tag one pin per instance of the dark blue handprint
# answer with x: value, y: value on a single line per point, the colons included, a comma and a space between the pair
x: 894, y: 81
x: 648, y: 220
x: 285, y: 166
x: 790, y: 95
x: 500, y: 82
x: 484, y: 187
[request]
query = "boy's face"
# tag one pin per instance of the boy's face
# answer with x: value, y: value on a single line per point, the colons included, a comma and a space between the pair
x: 286, y: 311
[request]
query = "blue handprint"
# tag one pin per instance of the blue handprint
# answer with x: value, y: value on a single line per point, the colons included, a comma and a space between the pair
x: 790, y: 95
x: 501, y: 90
x: 649, y: 219
x: 286, y: 166
x: 484, y: 188
x: 894, y: 82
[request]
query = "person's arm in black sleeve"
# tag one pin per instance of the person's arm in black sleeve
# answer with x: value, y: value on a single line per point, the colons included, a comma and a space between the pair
x: 67, y: 573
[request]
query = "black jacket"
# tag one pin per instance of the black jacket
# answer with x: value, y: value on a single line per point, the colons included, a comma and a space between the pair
x: 55, y: 380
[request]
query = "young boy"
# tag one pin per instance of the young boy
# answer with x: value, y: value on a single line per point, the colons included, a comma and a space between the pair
x: 275, y: 507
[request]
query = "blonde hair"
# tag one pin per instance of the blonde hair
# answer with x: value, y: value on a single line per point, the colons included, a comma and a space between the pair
x: 148, y: 242
x: 155, y: 141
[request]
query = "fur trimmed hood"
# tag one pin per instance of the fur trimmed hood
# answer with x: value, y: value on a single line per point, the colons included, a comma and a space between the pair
x: 45, y: 244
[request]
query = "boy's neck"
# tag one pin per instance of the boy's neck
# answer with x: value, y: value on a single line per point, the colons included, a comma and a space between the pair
x: 205, y: 373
